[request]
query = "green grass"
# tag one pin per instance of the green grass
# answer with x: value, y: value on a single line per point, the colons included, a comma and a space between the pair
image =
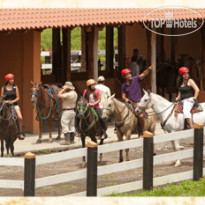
x: 67, y: 186
x: 186, y: 188
x: 106, y: 176
x: 46, y: 39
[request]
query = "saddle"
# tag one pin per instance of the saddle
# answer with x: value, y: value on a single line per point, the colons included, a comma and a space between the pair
x: 196, y: 108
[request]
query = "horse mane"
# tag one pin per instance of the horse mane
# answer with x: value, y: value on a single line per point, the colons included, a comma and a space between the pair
x: 160, y: 97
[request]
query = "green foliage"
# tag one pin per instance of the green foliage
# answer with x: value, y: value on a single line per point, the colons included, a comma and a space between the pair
x: 70, y: 186
x: 186, y: 188
x: 46, y: 39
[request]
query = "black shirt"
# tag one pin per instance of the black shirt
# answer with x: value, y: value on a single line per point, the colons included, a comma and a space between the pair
x: 10, y: 94
x: 186, y: 91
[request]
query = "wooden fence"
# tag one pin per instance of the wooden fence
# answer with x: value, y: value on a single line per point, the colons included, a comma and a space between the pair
x: 30, y: 163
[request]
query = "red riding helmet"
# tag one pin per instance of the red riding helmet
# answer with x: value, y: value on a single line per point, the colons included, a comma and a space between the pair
x: 125, y: 71
x: 8, y: 77
x: 183, y: 70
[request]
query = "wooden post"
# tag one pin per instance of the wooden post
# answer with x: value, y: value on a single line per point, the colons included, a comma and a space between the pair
x: 56, y: 53
x: 92, y: 169
x: 153, y: 62
x: 66, y: 72
x: 148, y: 161
x: 198, y: 151
x: 121, y: 48
x: 92, y: 53
x: 83, y: 50
x: 29, y: 174
x: 109, y: 50
x: 202, y: 76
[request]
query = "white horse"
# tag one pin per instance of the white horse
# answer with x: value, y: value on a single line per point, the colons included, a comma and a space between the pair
x: 165, y: 112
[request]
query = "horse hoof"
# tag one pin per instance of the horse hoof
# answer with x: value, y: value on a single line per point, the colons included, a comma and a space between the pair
x: 179, y: 147
x: 50, y: 140
x: 178, y: 163
x: 121, y: 160
x: 83, y: 165
x: 58, y: 138
x: 38, y: 141
x: 154, y: 154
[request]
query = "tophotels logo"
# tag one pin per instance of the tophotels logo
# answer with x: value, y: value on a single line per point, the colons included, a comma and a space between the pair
x: 164, y: 19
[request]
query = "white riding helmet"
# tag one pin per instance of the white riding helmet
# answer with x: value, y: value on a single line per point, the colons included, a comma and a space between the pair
x: 101, y: 78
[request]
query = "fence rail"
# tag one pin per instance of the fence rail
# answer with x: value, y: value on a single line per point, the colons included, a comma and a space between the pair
x: 138, y: 163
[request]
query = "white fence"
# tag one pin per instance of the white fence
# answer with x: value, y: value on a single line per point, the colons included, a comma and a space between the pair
x: 76, y: 175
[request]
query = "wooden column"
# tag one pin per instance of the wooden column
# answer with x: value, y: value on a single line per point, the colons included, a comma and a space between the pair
x: 202, y: 77
x: 121, y: 48
x: 153, y: 62
x: 66, y: 71
x: 92, y: 53
x: 56, y: 54
x: 146, y: 83
x: 173, y: 46
x: 83, y: 50
x: 109, y: 50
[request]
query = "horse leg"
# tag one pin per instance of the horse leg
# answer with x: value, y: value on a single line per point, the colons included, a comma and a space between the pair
x: 101, y: 142
x: 40, y: 131
x: 128, y: 135
x: 7, y: 145
x: 83, y: 145
x: 49, y: 128
x: 2, y: 147
x: 59, y: 131
x: 120, y: 138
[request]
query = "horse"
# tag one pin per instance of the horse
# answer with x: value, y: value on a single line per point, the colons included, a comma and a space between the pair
x: 125, y: 121
x: 88, y: 124
x: 47, y: 105
x: 166, y: 78
x: 8, y: 127
x: 165, y: 112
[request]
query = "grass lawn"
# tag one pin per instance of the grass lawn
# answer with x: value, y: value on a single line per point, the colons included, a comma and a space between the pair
x: 186, y: 188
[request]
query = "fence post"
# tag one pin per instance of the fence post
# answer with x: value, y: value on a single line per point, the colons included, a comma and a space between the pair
x: 198, y: 151
x: 29, y: 174
x: 147, y: 160
x: 92, y: 169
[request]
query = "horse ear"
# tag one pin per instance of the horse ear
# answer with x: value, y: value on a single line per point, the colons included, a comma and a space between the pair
x: 148, y: 92
x: 144, y: 91
x: 112, y: 96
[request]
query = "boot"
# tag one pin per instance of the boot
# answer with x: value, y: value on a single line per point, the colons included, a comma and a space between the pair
x: 21, y: 136
x: 72, y: 137
x: 67, y: 139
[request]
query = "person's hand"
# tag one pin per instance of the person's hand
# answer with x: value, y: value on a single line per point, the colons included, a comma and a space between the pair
x: 90, y: 104
x: 151, y: 67
x: 9, y: 102
x: 127, y: 100
x: 177, y: 99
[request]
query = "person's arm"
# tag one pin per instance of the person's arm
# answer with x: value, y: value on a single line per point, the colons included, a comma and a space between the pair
x: 195, y: 87
x: 124, y: 97
x: 2, y: 92
x: 17, y: 97
x: 98, y: 99
x: 178, y: 96
x: 61, y: 92
x: 146, y: 72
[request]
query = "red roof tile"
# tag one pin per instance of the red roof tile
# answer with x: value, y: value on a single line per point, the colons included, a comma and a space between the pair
x: 15, y: 19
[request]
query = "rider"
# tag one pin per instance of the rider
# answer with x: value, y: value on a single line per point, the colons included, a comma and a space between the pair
x: 69, y: 97
x: 132, y: 91
x: 12, y: 96
x: 104, y: 90
x: 188, y: 92
x: 93, y: 97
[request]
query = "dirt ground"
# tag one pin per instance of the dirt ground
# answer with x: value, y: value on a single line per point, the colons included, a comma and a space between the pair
x: 103, y: 181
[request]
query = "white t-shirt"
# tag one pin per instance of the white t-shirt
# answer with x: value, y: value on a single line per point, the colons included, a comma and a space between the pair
x: 105, y: 92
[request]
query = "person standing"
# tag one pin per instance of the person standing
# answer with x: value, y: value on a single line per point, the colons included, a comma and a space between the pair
x: 69, y: 98
x: 12, y: 96
x: 104, y: 90
x: 132, y: 90
x: 188, y: 93
x: 134, y: 67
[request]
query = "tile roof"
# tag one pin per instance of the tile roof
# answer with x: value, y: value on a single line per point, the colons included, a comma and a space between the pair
x: 21, y: 19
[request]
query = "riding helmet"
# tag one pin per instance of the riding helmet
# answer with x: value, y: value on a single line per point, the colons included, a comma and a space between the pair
x: 125, y: 71
x: 90, y: 82
x: 8, y: 77
x: 183, y: 70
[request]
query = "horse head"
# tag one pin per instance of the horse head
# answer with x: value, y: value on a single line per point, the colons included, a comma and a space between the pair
x: 145, y: 102
x: 35, y: 92
x: 82, y: 107
x: 108, y: 107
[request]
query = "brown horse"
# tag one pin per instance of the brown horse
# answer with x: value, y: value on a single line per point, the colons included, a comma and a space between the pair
x: 125, y: 120
x: 8, y: 127
x: 88, y: 123
x: 43, y: 97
